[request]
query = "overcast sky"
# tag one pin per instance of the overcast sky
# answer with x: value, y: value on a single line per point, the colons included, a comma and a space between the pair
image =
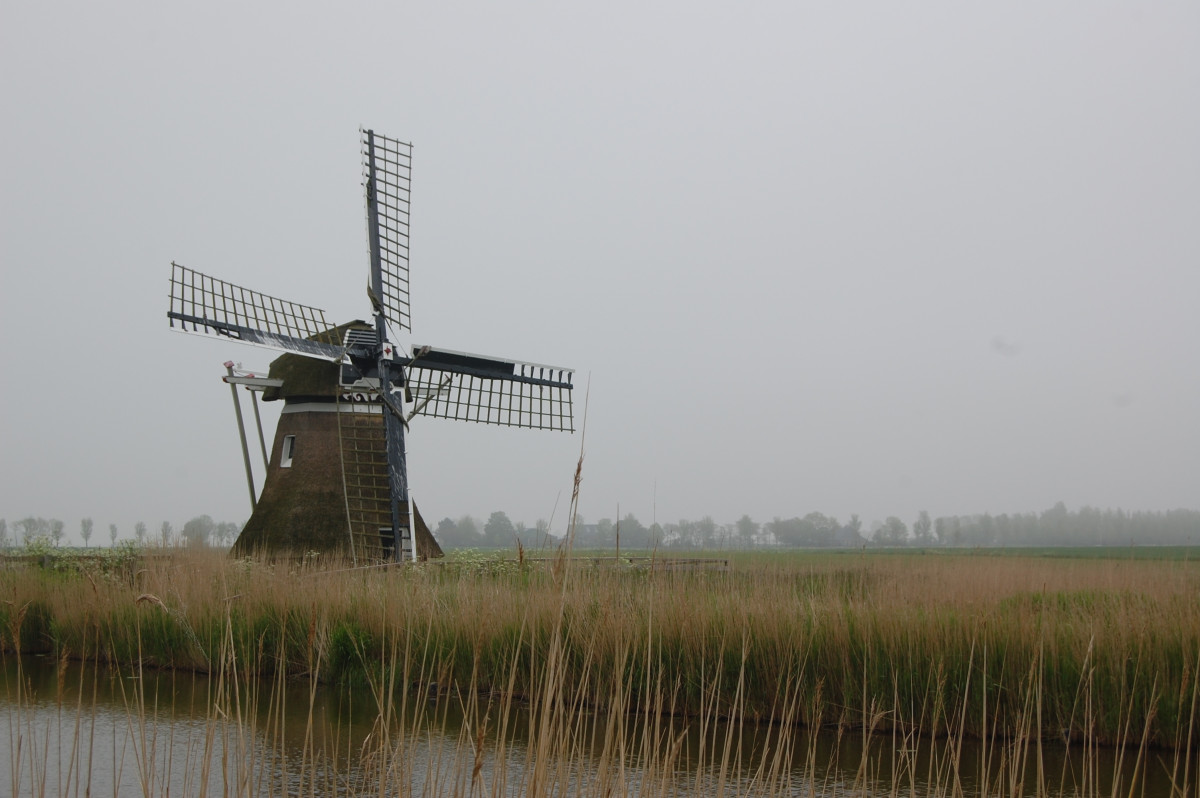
x: 854, y: 258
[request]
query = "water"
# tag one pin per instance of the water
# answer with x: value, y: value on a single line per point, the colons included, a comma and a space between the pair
x: 73, y: 730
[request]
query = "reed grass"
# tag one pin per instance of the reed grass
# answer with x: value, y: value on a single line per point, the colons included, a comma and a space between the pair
x: 851, y: 635
x: 642, y: 673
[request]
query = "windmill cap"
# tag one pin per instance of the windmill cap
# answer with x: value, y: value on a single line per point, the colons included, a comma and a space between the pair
x: 308, y: 377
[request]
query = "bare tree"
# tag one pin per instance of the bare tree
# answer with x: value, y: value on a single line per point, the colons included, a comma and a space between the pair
x: 747, y: 530
x: 112, y: 534
x: 85, y: 530
x: 226, y: 532
x: 166, y: 533
x: 3, y: 534
x: 33, y: 528
x: 199, y: 530
x: 922, y: 529
x: 56, y: 530
x: 139, y: 531
x: 893, y: 532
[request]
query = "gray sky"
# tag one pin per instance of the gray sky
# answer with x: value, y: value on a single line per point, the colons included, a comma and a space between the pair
x: 855, y: 258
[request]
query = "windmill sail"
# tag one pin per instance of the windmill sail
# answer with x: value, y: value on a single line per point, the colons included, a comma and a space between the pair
x: 206, y: 305
x: 387, y: 170
x: 508, y: 393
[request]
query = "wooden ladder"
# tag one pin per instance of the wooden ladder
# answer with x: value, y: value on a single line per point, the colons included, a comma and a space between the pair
x: 365, y: 473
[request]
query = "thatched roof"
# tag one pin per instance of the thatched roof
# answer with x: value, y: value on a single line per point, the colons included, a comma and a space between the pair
x: 310, y: 377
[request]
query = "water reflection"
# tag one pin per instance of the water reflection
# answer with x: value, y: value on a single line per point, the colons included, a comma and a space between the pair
x: 76, y: 729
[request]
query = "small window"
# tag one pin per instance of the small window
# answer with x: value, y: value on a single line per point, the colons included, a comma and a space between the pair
x: 289, y: 451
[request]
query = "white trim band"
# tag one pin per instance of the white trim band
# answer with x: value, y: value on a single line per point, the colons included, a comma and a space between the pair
x: 332, y: 407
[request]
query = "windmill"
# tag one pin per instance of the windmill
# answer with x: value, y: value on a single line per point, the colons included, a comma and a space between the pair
x: 337, y: 479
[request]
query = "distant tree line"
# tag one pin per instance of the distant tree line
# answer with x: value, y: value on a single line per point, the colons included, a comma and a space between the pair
x: 499, y: 531
x: 199, y: 531
x: 1057, y: 526
x: 628, y: 532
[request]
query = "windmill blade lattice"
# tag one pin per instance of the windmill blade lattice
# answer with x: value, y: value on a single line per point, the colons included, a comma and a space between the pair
x: 486, y: 390
x: 387, y: 178
x: 206, y: 305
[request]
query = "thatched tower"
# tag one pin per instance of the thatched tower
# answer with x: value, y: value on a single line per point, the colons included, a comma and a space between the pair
x: 326, y: 488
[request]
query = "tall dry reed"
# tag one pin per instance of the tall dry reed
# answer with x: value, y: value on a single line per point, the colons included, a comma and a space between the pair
x: 933, y: 645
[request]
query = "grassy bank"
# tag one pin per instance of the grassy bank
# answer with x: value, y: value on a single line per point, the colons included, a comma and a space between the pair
x: 1104, y: 651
